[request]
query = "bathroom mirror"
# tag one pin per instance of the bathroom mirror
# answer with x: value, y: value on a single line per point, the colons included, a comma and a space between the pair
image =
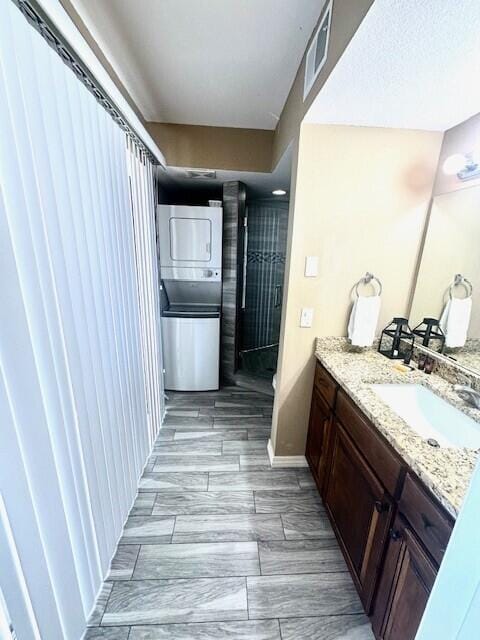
x: 452, y: 248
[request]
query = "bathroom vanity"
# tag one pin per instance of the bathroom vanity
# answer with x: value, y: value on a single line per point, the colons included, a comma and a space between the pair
x: 392, y: 498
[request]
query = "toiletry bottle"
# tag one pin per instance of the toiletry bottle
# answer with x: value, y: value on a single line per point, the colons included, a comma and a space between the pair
x: 429, y: 365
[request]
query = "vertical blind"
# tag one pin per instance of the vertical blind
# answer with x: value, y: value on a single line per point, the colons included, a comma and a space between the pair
x: 80, y: 355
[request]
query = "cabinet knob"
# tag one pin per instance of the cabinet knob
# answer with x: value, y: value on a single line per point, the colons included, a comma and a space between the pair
x: 380, y: 506
x: 395, y: 535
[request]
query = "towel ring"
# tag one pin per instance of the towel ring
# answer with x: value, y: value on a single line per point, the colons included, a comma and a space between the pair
x: 458, y: 281
x: 367, y: 278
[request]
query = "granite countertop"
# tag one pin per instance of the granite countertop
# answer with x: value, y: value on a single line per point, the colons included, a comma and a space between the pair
x: 445, y: 471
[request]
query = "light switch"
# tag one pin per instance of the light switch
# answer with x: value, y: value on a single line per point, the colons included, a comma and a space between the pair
x: 306, y: 317
x: 311, y: 266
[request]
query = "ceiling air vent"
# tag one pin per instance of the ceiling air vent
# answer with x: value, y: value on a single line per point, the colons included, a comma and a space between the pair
x: 201, y: 173
x: 317, y: 52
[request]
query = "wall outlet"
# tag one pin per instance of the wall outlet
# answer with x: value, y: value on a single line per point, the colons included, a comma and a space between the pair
x: 311, y: 266
x: 306, y: 317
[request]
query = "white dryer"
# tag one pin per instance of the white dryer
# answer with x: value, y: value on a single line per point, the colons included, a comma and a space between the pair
x: 191, y: 272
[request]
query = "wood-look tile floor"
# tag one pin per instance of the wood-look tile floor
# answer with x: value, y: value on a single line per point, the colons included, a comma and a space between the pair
x: 218, y: 545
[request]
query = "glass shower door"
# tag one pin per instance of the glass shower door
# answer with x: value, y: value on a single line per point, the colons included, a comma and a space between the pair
x: 264, y: 265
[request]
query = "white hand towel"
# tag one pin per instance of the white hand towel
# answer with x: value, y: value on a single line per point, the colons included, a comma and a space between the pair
x: 363, y: 321
x: 455, y: 321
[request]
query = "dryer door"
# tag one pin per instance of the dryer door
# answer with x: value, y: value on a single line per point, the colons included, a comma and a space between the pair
x: 190, y: 237
x: 190, y: 240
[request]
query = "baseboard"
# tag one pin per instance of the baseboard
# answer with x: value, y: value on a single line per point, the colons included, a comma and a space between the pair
x: 278, y: 462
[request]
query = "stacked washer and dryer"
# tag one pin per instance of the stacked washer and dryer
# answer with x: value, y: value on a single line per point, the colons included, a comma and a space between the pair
x: 191, y: 274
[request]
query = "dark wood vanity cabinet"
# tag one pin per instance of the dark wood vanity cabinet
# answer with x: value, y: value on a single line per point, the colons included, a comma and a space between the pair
x: 407, y: 579
x: 318, y: 434
x: 392, y: 532
x: 360, y: 510
x: 321, y: 411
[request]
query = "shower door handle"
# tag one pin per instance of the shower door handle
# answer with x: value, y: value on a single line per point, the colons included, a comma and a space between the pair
x: 278, y: 295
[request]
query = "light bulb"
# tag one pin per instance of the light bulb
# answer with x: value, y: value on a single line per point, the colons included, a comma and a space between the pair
x: 453, y: 164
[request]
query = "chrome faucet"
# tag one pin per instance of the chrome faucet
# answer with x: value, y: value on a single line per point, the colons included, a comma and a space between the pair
x: 468, y: 394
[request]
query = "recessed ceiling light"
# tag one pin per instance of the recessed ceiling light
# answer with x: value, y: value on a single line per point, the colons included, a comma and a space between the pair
x: 279, y: 192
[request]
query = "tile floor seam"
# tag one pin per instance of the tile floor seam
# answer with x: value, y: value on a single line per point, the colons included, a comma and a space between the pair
x: 259, y: 559
x: 136, y: 560
x: 203, y: 623
x: 100, y: 624
x: 325, y: 615
x: 219, y: 577
x: 186, y: 579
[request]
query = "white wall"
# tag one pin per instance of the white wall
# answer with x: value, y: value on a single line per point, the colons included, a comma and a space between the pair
x: 75, y: 430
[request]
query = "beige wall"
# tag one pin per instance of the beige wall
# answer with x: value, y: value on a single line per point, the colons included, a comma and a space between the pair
x: 214, y: 147
x: 463, y: 138
x: 451, y: 246
x: 346, y: 18
x: 361, y: 200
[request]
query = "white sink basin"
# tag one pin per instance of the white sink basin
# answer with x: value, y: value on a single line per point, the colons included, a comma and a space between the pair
x: 430, y: 416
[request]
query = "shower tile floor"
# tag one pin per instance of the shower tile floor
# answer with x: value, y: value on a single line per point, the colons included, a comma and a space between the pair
x: 218, y: 545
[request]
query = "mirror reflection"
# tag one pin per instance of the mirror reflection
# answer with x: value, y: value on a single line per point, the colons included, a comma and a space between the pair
x: 446, y: 303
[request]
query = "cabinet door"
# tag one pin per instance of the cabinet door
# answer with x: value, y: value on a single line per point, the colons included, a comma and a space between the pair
x: 405, y: 586
x: 360, y: 511
x: 317, y: 439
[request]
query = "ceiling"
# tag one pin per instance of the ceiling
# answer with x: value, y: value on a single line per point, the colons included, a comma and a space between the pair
x: 206, y: 62
x: 410, y: 65
x: 259, y: 185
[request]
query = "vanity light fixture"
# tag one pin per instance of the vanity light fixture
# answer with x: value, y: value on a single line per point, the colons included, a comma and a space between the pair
x: 464, y: 166
x: 279, y: 192
x: 453, y: 164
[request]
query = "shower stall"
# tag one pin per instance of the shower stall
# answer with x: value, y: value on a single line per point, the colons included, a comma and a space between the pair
x: 264, y: 253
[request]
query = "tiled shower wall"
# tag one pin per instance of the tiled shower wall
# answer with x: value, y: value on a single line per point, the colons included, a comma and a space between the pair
x: 266, y: 249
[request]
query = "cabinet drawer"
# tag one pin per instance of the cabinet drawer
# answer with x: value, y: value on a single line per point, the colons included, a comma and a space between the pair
x: 429, y: 521
x: 378, y: 453
x: 325, y: 385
